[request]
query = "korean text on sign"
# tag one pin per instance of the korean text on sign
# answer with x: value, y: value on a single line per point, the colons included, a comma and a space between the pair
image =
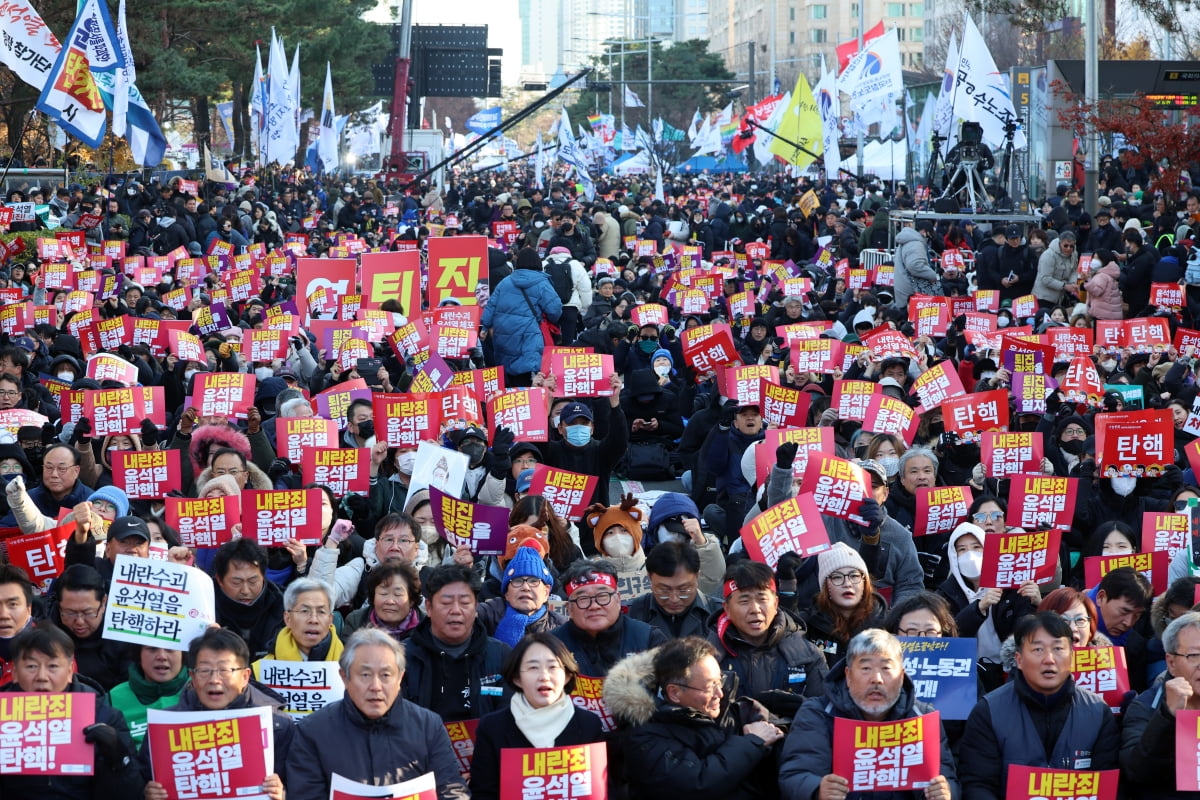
x: 197, y: 755
x: 887, y: 756
x: 42, y: 733
x: 306, y: 686
x: 1012, y: 559
x: 158, y: 603
x: 553, y: 773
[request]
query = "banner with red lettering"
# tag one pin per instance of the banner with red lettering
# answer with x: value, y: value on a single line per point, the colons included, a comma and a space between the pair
x: 204, y: 522
x: 522, y: 411
x: 146, y: 474
x: 345, y: 470
x: 482, y: 528
x: 853, y: 398
x: 568, y: 492
x: 941, y: 508
x: 970, y: 415
x: 43, y: 734
x: 793, y: 526
x: 116, y: 412
x: 1152, y: 564
x: 582, y: 374
x: 1037, y: 500
x: 272, y: 517
x: 896, y: 756
x: 838, y: 486
x: 1012, y: 559
x: 1166, y: 532
x: 456, y: 264
x: 223, y: 394
x: 1063, y: 784
x: 1007, y: 454
x: 708, y: 348
x: 554, y: 773
x: 191, y: 750
x: 808, y: 440
x: 783, y: 406
x: 1102, y: 671
x: 1134, y: 443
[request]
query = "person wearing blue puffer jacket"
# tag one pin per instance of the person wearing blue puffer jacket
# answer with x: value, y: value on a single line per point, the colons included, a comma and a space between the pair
x: 513, y: 316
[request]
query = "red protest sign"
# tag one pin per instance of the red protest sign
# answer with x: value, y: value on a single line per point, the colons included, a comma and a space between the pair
x: 853, y: 398
x: 1102, y: 671
x: 817, y: 354
x: 808, y: 440
x: 1007, y: 454
x: 233, y: 748
x: 887, y: 414
x: 40, y: 555
x: 545, y: 773
x: 783, y: 406
x: 223, y: 394
x: 272, y: 517
x: 1146, y: 334
x: 409, y: 418
x: 742, y: 383
x: 1152, y: 564
x: 455, y: 266
x: 483, y: 383
x: 1070, y: 342
x: 938, y: 384
x: 896, y: 756
x: 972, y: 414
x: 940, y: 509
x: 887, y: 343
x: 1063, y: 784
x: 146, y: 474
x: 1082, y: 383
x: 204, y: 522
x: 582, y: 374
x: 1135, y: 443
x: 43, y: 733
x: 1185, y: 338
x: 793, y: 526
x: 707, y: 348
x: 522, y: 411
x: 121, y: 411
x: 932, y: 316
x: 1187, y: 750
x: 1165, y: 532
x: 186, y: 346
x: 649, y: 314
x: 568, y: 492
x: 838, y: 486
x: 344, y: 470
x: 1038, y: 500
x: 264, y: 344
x: 298, y: 434
x: 107, y: 367
x: 1012, y: 559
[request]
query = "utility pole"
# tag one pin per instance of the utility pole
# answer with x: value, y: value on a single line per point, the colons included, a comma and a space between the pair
x: 750, y: 52
x: 862, y: 24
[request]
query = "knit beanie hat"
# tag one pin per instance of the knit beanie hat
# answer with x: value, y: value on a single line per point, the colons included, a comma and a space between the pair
x: 526, y: 563
x: 113, y: 495
x: 627, y: 515
x: 528, y: 258
x: 839, y: 556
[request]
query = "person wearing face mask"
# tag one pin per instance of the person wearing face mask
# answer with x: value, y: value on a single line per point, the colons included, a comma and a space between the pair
x: 652, y: 410
x: 389, y: 486
x: 674, y: 518
x: 617, y: 532
x: 486, y: 470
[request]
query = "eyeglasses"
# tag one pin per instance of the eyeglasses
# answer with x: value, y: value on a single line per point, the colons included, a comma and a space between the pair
x: 525, y: 460
x: 72, y: 616
x: 987, y: 516
x: 1074, y: 430
x: 928, y: 633
x: 842, y: 578
x: 10, y: 393
x: 224, y: 673
x: 1067, y: 246
x: 526, y: 582
x: 222, y: 472
x: 305, y: 611
x: 1080, y: 621
x: 103, y: 505
x: 1192, y: 659
x: 390, y: 540
x: 58, y: 469
x: 602, y: 600
x: 711, y: 688
x: 674, y: 594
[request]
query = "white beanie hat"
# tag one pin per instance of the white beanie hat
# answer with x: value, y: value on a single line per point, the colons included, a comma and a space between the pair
x: 837, y: 557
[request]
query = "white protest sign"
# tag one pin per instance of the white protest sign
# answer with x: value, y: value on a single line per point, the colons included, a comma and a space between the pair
x: 158, y: 603
x: 306, y: 686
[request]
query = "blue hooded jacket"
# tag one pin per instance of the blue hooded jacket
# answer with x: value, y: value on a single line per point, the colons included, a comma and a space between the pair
x: 516, y: 335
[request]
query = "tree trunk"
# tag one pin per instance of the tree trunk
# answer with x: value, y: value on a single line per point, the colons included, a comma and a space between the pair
x: 201, y: 122
x: 241, y: 138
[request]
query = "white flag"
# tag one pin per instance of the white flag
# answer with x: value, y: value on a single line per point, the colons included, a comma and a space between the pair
x: 708, y: 140
x: 27, y: 47
x: 258, y: 106
x: 943, y: 117
x: 762, y: 141
x: 279, y: 132
x: 632, y: 100
x: 694, y: 128
x: 294, y: 85
x: 568, y: 152
x: 829, y: 106
x: 126, y: 75
x: 982, y: 95
x: 539, y: 163
x: 874, y: 72
x: 327, y: 139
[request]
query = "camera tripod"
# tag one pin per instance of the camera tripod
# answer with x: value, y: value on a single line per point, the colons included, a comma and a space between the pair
x: 967, y: 173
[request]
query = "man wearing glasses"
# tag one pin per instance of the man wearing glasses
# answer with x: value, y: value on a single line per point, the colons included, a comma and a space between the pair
x: 674, y: 605
x: 597, y: 633
x: 1057, y: 273
x: 683, y: 742
x: 524, y: 608
x: 220, y: 679
x: 79, y: 600
x: 396, y: 542
x: 1148, y: 726
x: 1122, y: 598
x: 61, y: 487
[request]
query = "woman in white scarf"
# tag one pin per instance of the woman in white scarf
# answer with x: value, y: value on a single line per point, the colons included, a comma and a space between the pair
x: 541, y: 713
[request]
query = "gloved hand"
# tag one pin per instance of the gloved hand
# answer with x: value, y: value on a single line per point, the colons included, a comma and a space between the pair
x: 82, y: 431
x: 107, y: 743
x: 1053, y: 403
x: 357, y: 505
x: 872, y: 513
x: 225, y: 350
x: 49, y: 433
x: 1066, y: 410
x: 502, y: 441
x: 280, y: 468
x: 785, y: 455
x: 669, y: 332
x: 341, y: 531
x: 829, y: 418
x: 977, y: 475
x: 727, y: 415
x: 149, y: 434
x: 15, y: 486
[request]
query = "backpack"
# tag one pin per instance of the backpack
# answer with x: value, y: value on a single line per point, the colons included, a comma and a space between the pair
x: 1192, y: 275
x: 560, y: 276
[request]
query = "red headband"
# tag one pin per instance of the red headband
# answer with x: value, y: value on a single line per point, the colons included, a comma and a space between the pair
x: 731, y: 587
x: 595, y: 579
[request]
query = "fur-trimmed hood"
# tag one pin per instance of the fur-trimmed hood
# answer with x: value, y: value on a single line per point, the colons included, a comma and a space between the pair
x: 207, y: 438
x: 629, y: 689
x: 1008, y: 650
x: 1158, y: 615
x: 255, y: 479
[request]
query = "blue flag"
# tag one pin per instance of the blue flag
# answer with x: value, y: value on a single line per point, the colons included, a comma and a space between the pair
x: 485, y: 120
x: 943, y: 673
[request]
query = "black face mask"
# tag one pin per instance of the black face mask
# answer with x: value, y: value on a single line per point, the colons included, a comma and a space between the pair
x: 1072, y: 446
x: 474, y: 451
x: 936, y: 429
x: 366, y: 429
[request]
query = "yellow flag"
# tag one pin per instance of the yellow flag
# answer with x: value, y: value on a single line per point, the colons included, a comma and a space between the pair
x: 801, y: 123
x: 809, y: 202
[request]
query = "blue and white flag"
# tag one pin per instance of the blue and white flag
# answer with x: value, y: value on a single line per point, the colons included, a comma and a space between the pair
x: 132, y: 117
x: 279, y: 130
x: 71, y: 97
x: 327, y: 137
x: 569, y: 153
x: 485, y: 120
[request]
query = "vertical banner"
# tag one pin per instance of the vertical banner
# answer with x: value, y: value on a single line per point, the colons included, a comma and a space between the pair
x: 793, y: 526
x: 1012, y: 559
x: 193, y: 750
x: 42, y: 733
x: 456, y: 264
x: 897, y: 756
x: 158, y: 603
x: 552, y: 773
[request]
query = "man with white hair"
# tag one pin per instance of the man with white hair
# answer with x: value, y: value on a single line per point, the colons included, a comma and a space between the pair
x: 372, y: 735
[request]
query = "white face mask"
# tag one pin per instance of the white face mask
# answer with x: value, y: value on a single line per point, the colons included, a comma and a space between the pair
x: 1003, y: 322
x: 1109, y: 365
x: 262, y: 373
x: 188, y: 373
x: 891, y: 465
x: 1124, y: 486
x: 988, y: 375
x: 663, y: 370
x: 429, y: 534
x: 667, y: 535
x: 618, y: 545
x: 970, y: 564
x: 405, y: 462
x: 66, y: 376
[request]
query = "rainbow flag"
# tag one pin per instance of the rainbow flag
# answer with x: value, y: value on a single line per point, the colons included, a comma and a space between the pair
x: 595, y: 120
x: 729, y: 130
